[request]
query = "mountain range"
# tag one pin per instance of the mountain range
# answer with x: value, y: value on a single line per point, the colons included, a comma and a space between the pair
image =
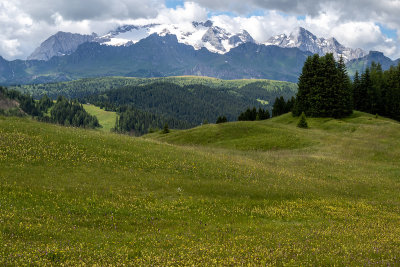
x: 157, y: 50
x: 306, y: 41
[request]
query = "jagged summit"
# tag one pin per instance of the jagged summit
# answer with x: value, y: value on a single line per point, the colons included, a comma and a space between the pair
x: 206, y: 24
x: 306, y: 41
x: 59, y: 44
x: 197, y: 34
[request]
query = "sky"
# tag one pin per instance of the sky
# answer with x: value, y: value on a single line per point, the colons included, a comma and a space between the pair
x: 366, y: 24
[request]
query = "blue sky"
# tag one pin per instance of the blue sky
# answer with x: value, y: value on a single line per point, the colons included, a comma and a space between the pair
x: 173, y: 3
x: 389, y: 32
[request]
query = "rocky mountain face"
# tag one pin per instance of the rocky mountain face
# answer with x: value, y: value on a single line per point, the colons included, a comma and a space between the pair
x: 198, y: 34
x: 60, y: 44
x: 360, y: 64
x: 159, y: 56
x: 306, y: 41
x: 201, y: 49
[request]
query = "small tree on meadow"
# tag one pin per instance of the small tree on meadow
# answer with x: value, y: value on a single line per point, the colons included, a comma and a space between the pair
x: 222, y: 119
x: 302, y: 121
x: 166, y: 129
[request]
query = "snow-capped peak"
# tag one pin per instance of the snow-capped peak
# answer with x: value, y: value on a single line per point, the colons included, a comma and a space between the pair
x: 197, y: 34
x: 306, y: 41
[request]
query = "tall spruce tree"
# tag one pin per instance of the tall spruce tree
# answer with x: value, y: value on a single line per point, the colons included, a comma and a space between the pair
x: 324, y: 88
x: 356, y: 91
x: 366, y: 87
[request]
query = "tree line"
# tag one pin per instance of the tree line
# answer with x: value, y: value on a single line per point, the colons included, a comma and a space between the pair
x: 378, y: 92
x: 138, y: 122
x: 72, y: 113
x: 325, y: 90
x: 64, y: 111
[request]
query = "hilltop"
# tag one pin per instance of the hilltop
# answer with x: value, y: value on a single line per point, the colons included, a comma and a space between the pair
x: 279, y: 195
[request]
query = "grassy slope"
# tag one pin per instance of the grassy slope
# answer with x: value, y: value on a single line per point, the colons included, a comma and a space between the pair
x: 76, y: 196
x: 106, y: 118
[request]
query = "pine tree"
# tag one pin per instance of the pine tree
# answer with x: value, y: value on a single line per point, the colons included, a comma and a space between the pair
x: 302, y: 123
x: 306, y: 82
x: 165, y: 129
x: 344, y: 93
x: 356, y: 91
x: 366, y: 86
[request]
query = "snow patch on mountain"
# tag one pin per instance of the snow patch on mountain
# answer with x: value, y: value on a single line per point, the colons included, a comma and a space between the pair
x: 306, y: 41
x: 196, y: 34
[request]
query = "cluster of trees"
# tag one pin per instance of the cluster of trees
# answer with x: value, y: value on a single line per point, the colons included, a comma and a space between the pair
x: 72, y: 113
x: 26, y: 103
x: 64, y: 112
x: 281, y: 106
x: 221, y: 119
x: 139, y: 122
x: 378, y: 92
x: 254, y: 115
x: 190, y: 103
x: 324, y: 88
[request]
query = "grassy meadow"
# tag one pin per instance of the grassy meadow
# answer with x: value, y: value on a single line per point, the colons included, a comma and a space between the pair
x: 106, y: 118
x: 242, y: 193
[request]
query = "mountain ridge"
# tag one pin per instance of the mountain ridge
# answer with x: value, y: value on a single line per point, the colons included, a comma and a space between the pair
x: 306, y: 41
x: 159, y: 56
x: 198, y: 35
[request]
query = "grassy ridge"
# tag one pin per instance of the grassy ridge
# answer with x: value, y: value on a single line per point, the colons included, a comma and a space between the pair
x: 73, y: 196
x: 238, y: 135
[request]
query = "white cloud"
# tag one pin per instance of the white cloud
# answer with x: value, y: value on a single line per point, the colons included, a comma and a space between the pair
x: 11, y: 46
x: 24, y: 24
x: 182, y: 14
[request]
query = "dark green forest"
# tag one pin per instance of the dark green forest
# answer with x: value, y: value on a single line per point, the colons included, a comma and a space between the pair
x: 190, y: 103
x: 254, y: 115
x: 378, y: 92
x: 138, y: 122
x: 71, y: 113
x: 63, y: 112
x: 324, y: 88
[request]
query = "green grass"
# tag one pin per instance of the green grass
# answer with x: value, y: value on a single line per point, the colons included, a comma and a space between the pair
x: 106, y: 118
x: 262, y: 135
x: 331, y: 197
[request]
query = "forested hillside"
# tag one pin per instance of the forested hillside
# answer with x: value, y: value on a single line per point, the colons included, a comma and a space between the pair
x: 80, y: 88
x: 191, y: 103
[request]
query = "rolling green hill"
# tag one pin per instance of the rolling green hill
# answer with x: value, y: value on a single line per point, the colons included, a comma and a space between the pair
x: 214, y: 195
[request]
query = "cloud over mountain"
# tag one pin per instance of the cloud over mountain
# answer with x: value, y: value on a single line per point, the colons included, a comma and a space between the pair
x: 371, y: 25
